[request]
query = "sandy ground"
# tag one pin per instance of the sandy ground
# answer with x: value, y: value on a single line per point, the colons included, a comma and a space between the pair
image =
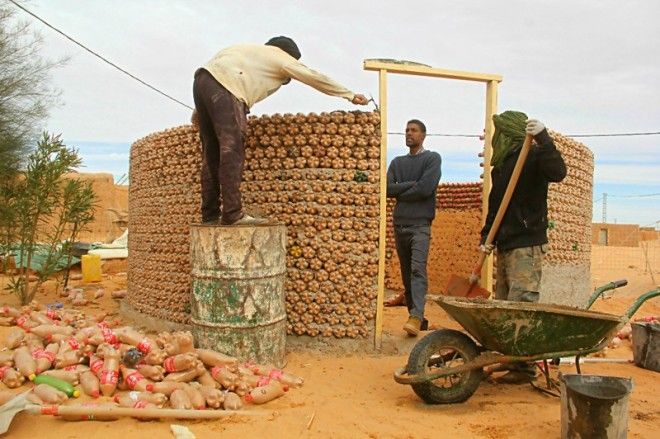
x: 355, y: 396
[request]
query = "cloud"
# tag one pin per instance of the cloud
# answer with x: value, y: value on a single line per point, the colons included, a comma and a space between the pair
x: 581, y: 67
x: 107, y: 157
x: 637, y: 174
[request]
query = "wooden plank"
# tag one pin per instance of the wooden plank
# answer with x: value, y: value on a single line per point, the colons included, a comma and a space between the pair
x: 378, y: 333
x: 424, y: 70
x: 491, y: 109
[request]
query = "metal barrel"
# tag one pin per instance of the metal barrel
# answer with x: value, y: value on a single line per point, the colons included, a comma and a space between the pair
x: 594, y: 406
x: 237, y: 292
x: 646, y: 345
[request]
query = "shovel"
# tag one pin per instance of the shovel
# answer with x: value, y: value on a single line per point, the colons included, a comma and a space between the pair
x: 106, y: 412
x: 461, y: 287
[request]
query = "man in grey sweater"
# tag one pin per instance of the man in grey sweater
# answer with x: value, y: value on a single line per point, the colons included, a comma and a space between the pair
x: 413, y: 180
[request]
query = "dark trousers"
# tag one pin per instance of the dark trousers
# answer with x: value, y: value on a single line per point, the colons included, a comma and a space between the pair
x: 222, y: 126
x: 412, y: 247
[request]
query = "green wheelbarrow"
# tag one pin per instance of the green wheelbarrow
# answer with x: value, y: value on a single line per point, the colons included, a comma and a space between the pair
x: 446, y: 366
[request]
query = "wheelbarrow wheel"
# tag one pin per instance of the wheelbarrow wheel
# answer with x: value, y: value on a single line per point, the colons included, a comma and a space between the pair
x: 444, y: 348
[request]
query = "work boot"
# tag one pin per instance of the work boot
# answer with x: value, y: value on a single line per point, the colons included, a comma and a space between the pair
x: 520, y: 373
x: 412, y: 326
x: 248, y: 220
x: 516, y: 377
x: 424, y: 326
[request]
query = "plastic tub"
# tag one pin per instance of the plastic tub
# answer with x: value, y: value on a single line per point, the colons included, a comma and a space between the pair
x: 91, y: 268
x: 646, y: 345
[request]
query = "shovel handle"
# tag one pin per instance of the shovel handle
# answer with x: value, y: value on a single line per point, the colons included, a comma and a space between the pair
x: 89, y: 412
x: 476, y: 271
x: 510, y: 188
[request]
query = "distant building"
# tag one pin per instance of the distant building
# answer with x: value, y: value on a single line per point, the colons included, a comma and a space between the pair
x: 621, y: 235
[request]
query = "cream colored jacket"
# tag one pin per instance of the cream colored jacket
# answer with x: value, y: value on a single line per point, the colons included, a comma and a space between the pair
x: 253, y: 72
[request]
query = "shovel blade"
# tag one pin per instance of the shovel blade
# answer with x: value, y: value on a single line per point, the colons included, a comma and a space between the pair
x: 461, y: 287
x: 9, y: 409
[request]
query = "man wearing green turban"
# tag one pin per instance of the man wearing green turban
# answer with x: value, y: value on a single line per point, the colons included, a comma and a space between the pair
x: 522, y: 237
x: 509, y: 134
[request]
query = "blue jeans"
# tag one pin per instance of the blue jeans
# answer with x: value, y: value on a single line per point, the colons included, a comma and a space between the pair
x: 412, y: 247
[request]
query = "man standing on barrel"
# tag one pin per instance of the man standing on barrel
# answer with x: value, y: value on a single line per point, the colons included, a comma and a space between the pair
x: 224, y: 90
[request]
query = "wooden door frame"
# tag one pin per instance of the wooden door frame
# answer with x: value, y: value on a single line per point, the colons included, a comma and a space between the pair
x: 383, y: 67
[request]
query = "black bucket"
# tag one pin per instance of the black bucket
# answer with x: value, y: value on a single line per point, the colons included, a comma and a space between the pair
x: 646, y: 345
x: 594, y: 406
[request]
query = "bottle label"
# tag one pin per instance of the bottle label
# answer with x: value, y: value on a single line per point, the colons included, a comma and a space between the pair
x: 49, y: 410
x: 109, y: 335
x: 276, y: 374
x: 133, y: 379
x: 168, y: 364
x: 109, y: 377
x: 42, y: 353
x: 96, y: 366
x: 74, y: 343
x: 215, y: 371
x: 3, y: 370
x: 144, y: 346
x: 21, y: 321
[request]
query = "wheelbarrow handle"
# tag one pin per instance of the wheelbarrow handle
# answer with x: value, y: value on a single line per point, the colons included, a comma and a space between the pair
x: 609, y: 286
x: 620, y: 283
x: 640, y: 301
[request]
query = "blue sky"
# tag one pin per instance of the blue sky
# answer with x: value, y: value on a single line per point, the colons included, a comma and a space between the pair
x: 626, y: 203
x: 580, y: 67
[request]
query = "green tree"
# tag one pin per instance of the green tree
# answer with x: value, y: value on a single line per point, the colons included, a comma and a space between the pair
x: 48, y: 212
x: 26, y: 94
x: 25, y: 98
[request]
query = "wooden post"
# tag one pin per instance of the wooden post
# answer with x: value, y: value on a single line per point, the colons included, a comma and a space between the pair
x: 491, y: 109
x: 382, y: 87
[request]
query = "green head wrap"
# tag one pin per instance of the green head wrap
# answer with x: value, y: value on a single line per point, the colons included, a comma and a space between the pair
x: 509, y: 134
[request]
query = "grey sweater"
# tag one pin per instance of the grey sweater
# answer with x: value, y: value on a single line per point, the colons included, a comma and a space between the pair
x: 413, y: 181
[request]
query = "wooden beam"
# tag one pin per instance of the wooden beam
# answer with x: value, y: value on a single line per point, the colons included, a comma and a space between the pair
x: 424, y: 70
x: 491, y: 109
x: 382, y: 85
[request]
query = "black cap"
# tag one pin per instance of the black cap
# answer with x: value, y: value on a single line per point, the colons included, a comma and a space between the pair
x: 286, y: 44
